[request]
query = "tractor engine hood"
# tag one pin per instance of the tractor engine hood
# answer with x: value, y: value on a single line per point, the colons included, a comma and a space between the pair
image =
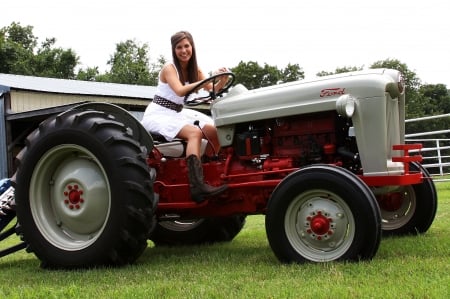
x: 299, y: 97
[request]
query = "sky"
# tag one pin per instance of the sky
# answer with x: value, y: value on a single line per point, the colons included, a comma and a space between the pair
x: 318, y: 35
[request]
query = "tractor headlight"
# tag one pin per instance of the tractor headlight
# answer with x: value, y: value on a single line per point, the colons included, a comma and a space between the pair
x: 345, y: 105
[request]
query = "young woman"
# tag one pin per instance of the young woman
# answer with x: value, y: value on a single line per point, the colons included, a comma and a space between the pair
x: 162, y: 115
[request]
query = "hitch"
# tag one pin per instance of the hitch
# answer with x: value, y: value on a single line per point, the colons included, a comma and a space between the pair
x: 7, y: 214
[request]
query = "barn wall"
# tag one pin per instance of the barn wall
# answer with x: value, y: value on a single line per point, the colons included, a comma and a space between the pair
x: 23, y: 101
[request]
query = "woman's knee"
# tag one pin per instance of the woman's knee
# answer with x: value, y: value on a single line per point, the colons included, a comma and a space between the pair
x: 210, y: 130
x: 190, y: 133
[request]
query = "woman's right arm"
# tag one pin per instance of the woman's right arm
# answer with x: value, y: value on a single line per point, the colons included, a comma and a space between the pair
x: 169, y: 75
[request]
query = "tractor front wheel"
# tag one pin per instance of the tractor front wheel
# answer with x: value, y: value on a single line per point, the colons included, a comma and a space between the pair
x: 323, y: 213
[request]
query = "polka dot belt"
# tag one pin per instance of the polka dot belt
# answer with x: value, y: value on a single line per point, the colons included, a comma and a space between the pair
x: 167, y: 104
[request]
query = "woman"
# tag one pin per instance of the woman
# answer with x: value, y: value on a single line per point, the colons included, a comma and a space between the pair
x: 162, y: 115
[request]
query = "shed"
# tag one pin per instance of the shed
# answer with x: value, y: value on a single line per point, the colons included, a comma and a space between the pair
x: 25, y: 101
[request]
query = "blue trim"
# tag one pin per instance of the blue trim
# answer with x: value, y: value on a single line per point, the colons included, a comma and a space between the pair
x: 4, y: 89
x: 3, y: 156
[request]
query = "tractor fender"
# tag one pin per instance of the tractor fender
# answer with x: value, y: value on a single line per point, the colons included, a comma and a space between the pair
x: 139, y: 132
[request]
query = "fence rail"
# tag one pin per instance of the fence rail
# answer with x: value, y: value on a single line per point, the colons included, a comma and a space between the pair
x: 435, y: 152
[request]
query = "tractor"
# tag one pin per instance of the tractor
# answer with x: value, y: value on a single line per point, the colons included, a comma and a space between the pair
x: 324, y: 160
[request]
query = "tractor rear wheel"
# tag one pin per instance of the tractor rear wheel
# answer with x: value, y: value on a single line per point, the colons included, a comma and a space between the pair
x: 197, y: 231
x: 83, y: 191
x: 323, y: 213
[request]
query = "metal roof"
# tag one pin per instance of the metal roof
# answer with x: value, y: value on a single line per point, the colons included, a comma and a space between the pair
x: 65, y: 86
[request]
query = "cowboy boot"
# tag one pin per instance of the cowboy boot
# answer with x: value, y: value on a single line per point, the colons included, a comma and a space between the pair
x: 196, y: 182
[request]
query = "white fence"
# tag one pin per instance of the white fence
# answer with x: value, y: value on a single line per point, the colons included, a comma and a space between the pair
x: 435, y: 152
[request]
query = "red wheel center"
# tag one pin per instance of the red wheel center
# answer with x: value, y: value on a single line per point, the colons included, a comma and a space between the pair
x: 74, y: 196
x: 391, y: 202
x: 320, y: 225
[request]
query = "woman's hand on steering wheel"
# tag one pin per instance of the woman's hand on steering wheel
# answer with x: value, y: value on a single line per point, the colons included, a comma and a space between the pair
x: 219, y: 84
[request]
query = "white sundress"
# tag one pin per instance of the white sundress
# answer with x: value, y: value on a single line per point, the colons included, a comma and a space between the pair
x: 164, y: 121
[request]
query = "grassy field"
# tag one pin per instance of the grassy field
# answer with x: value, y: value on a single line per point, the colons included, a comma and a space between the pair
x: 406, y: 267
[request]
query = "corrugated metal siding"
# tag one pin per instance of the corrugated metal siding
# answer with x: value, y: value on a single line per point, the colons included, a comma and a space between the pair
x: 65, y: 86
x: 22, y: 101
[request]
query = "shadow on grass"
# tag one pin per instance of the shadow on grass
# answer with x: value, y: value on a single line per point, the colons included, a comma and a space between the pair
x: 19, y: 261
x: 231, y: 253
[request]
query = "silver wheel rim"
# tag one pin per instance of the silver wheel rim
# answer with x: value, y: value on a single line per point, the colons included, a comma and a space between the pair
x: 181, y: 225
x: 319, y: 225
x: 403, y: 214
x: 69, y: 197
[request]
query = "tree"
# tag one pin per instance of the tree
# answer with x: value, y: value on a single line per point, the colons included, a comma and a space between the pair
x: 129, y: 65
x: 19, y: 55
x: 292, y: 72
x: 249, y: 74
x: 252, y: 75
x: 90, y: 74
x: 155, y: 68
x: 54, y: 62
x: 438, y: 96
x: 435, y: 100
x: 340, y: 70
x: 16, y: 49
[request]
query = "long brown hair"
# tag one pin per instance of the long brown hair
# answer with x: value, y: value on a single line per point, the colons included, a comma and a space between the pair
x: 192, y: 67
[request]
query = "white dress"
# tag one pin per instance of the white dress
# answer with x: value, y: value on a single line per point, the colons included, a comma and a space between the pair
x: 164, y: 121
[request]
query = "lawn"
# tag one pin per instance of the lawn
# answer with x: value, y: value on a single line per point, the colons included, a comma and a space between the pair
x: 406, y: 267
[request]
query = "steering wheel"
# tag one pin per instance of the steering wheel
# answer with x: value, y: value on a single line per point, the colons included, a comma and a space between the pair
x: 212, y: 94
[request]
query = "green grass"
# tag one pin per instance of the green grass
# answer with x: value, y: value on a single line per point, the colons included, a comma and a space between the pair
x: 406, y: 267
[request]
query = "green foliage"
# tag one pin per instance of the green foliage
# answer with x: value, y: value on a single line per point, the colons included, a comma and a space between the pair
x: 340, y: 70
x: 155, y: 68
x: 252, y: 75
x: 129, y: 64
x: 19, y: 55
x: 430, y: 100
x: 89, y: 74
x: 292, y: 72
x: 54, y: 62
x: 437, y: 97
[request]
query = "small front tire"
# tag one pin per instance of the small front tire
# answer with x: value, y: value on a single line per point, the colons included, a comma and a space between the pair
x: 323, y: 213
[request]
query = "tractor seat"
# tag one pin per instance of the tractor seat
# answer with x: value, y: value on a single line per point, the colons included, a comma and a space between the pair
x: 175, y: 148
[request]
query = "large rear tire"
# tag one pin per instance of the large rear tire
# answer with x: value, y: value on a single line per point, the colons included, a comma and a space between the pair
x: 323, y: 213
x: 411, y: 209
x: 84, y: 192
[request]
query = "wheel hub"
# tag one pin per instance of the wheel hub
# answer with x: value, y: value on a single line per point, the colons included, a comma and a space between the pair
x: 72, y: 194
x: 391, y: 202
x: 76, y: 181
x: 320, y: 225
x: 320, y: 222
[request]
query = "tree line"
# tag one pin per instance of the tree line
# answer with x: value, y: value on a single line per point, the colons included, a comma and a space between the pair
x: 21, y: 54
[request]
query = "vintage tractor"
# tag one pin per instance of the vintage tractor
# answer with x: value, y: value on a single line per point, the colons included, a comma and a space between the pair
x: 324, y: 160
